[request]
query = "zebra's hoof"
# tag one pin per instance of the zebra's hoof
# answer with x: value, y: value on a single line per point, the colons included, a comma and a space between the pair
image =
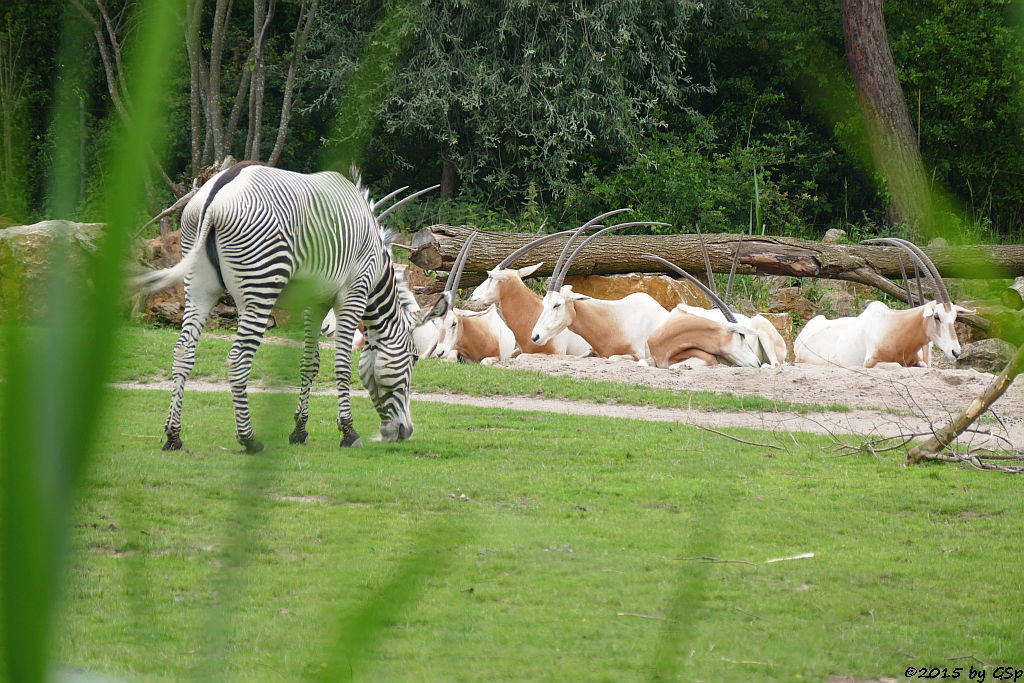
x: 299, y: 436
x: 351, y: 440
x: 173, y: 443
x: 252, y: 446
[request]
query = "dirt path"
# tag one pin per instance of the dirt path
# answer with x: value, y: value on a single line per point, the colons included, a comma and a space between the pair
x: 921, y: 398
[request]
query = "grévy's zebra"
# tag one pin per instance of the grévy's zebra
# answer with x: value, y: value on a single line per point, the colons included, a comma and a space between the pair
x: 252, y: 229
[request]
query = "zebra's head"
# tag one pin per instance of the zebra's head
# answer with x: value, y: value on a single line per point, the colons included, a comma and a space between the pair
x: 385, y: 364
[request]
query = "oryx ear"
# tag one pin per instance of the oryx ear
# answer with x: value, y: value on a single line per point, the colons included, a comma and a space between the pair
x: 437, y: 310
x: 928, y: 309
x: 474, y: 314
x: 740, y: 328
x: 567, y: 292
x: 529, y: 270
x: 961, y: 309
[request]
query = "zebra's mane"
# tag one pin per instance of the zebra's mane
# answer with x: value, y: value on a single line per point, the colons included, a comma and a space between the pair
x: 357, y: 180
x: 405, y: 295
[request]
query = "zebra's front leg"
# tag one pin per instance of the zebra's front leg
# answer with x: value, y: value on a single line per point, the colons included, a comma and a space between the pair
x: 252, y: 323
x: 200, y: 296
x: 309, y: 368
x: 347, y: 320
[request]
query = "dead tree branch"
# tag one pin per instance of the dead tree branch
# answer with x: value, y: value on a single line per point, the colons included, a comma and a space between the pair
x: 931, y: 449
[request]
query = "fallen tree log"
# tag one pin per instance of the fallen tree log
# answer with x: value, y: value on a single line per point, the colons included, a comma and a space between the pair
x: 435, y: 248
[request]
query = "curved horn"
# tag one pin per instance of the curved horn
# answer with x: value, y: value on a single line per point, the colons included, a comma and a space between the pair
x: 452, y: 285
x: 528, y: 247
x: 732, y: 268
x: 707, y: 260
x: 411, y: 197
x: 589, y: 224
x: 923, y: 261
x: 729, y: 315
x: 376, y: 204
x: 555, y: 283
x: 906, y: 282
x: 940, y: 286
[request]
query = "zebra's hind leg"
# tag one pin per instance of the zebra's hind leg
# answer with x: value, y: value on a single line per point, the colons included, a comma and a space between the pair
x: 252, y: 323
x: 308, y: 370
x: 201, y: 294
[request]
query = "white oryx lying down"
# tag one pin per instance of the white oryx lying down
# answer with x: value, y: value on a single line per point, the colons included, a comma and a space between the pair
x: 612, y: 328
x: 768, y: 343
x: 478, y: 337
x: 881, y: 334
x: 693, y: 333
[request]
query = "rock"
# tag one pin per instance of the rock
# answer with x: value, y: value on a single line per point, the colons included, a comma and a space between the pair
x: 790, y: 300
x: 834, y: 236
x: 938, y: 242
x: 25, y: 252
x: 837, y: 303
x: 665, y: 290
x: 783, y: 322
x: 985, y: 355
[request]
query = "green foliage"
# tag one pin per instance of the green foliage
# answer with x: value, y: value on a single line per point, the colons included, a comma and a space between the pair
x: 513, y: 93
x: 697, y: 180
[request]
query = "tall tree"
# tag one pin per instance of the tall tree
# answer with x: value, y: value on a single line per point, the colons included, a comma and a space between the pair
x: 14, y: 81
x: 883, y: 106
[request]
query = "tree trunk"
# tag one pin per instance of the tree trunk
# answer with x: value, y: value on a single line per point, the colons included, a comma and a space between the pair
x: 262, y: 16
x: 448, y: 178
x: 305, y: 23
x: 884, y: 109
x: 193, y: 14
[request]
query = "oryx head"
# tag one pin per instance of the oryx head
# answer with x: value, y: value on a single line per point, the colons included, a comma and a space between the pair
x: 940, y: 313
x: 744, y: 346
x: 488, y: 291
x: 559, y: 311
x: 451, y: 321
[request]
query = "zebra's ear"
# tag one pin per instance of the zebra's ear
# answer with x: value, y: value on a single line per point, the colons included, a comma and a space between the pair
x: 438, y: 310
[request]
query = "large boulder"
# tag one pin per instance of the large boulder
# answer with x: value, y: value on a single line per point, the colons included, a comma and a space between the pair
x: 665, y: 290
x: 984, y: 355
x: 25, y: 255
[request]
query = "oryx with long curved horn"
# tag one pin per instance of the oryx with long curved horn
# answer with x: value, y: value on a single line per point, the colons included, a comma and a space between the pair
x: 691, y: 332
x: 881, y: 334
x: 477, y: 336
x: 520, y: 305
x: 612, y: 328
x: 769, y: 345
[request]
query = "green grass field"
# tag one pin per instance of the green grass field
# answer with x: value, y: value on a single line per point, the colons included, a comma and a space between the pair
x: 526, y: 546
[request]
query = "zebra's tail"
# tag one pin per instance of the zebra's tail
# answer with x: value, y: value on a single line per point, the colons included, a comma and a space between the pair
x: 155, y: 280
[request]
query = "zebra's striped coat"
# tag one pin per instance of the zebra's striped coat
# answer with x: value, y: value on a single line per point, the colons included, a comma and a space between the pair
x: 253, y: 229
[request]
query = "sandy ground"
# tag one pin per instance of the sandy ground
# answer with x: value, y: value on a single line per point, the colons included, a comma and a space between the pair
x: 885, y: 402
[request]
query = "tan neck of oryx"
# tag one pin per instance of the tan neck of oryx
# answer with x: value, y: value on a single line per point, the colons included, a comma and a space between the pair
x: 597, y: 321
x: 477, y: 340
x: 521, y: 306
x: 908, y: 332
